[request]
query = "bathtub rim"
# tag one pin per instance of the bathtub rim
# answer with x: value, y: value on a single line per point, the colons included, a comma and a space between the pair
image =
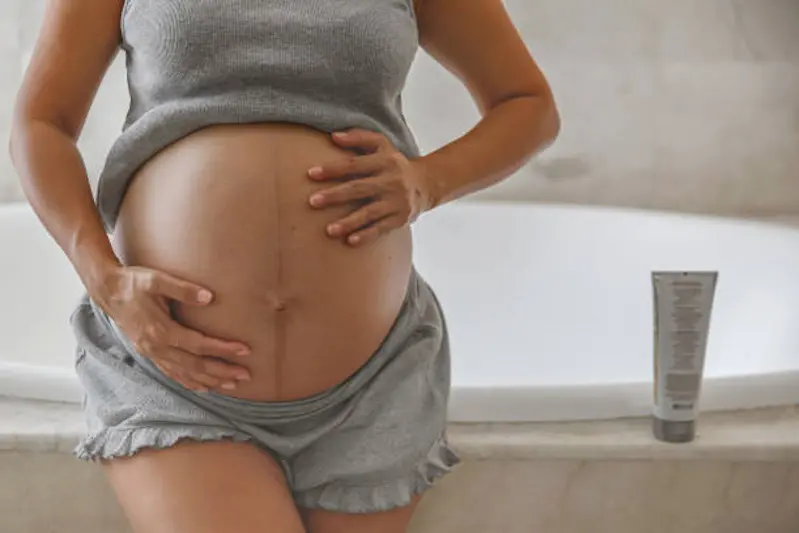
x: 552, y: 403
x: 556, y: 402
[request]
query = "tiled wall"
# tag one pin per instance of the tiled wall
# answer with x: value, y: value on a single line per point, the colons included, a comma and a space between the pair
x: 614, y: 496
x: 689, y: 105
x: 533, y: 496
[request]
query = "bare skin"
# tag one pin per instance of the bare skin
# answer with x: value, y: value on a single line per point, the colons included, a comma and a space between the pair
x: 228, y: 209
x: 226, y: 274
x: 211, y: 487
x: 188, y: 488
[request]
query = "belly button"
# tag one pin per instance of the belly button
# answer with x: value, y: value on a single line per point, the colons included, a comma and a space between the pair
x: 278, y: 303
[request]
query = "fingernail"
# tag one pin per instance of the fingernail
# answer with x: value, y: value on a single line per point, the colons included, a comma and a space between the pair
x: 315, y: 172
x: 228, y: 386
x: 355, y: 239
x: 317, y: 200
x: 340, y: 134
x: 243, y: 351
x: 204, y: 296
x: 334, y: 229
x: 243, y: 377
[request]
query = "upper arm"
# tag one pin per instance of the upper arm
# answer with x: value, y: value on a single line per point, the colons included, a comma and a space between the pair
x: 477, y: 42
x: 76, y: 44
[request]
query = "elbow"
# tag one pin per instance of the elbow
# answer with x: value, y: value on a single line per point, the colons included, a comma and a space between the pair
x: 14, y: 138
x: 12, y: 133
x: 20, y: 126
x: 545, y: 123
x: 550, y: 120
x: 19, y: 131
x: 543, y: 117
x: 26, y: 122
x: 556, y: 122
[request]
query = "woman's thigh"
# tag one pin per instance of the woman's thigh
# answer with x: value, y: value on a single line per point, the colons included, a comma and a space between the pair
x: 209, y: 487
x: 393, y: 521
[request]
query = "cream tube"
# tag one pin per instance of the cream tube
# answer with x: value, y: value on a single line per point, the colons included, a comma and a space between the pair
x: 683, y: 303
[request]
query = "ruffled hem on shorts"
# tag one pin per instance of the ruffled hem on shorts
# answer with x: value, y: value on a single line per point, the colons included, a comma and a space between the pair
x: 118, y: 442
x: 387, y: 495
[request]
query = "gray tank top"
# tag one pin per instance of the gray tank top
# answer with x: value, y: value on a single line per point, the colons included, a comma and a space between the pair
x: 328, y: 64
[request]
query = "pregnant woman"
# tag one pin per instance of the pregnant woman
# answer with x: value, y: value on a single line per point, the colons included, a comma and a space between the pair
x: 257, y: 351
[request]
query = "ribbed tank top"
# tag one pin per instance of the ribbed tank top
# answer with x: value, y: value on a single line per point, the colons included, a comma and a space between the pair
x: 327, y: 64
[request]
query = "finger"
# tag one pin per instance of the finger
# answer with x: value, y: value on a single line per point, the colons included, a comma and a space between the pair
x: 224, y: 371
x: 205, y: 366
x: 201, y: 375
x: 180, y: 377
x: 163, y: 284
x: 212, y: 382
x: 375, y: 231
x: 206, y: 380
x: 348, y: 192
x: 370, y: 213
x: 197, y: 343
x: 356, y: 165
x: 371, y: 141
x: 189, y: 383
x: 185, y: 367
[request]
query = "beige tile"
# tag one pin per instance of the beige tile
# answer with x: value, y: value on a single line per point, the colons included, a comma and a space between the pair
x: 695, y: 499
x: 618, y: 496
x: 30, y: 14
x: 512, y: 496
x: 756, y: 492
x: 105, y: 119
x: 613, y: 496
x: 41, y: 492
x: 788, y: 509
x: 10, y: 190
x: 742, y: 142
x: 769, y: 28
x: 690, y: 31
x: 587, y: 30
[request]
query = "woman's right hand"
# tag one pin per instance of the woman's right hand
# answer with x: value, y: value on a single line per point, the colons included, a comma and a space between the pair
x: 137, y: 299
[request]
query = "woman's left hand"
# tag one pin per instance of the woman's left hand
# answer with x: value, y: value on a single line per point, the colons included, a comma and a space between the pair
x: 392, y: 188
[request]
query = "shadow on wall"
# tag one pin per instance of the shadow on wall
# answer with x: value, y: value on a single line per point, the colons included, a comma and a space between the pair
x: 681, y: 106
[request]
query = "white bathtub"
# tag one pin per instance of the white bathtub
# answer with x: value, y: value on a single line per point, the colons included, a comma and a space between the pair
x: 549, y: 308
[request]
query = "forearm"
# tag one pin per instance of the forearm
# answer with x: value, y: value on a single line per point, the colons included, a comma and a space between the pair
x: 506, y: 138
x: 55, y: 182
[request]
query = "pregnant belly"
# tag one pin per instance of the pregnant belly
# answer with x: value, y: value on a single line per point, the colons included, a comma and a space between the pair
x: 227, y: 207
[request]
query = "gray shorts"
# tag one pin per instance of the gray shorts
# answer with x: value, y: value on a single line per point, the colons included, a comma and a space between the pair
x: 369, y: 444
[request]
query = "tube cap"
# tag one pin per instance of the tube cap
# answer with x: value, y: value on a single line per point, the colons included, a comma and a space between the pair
x: 675, y: 432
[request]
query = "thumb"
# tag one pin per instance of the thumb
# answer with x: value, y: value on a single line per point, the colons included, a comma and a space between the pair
x: 365, y: 140
x: 180, y: 290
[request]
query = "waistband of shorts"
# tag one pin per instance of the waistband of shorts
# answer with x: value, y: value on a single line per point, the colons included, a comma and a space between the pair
x: 289, y: 410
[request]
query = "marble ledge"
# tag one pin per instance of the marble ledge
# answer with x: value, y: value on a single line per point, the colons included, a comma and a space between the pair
x: 770, y: 434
